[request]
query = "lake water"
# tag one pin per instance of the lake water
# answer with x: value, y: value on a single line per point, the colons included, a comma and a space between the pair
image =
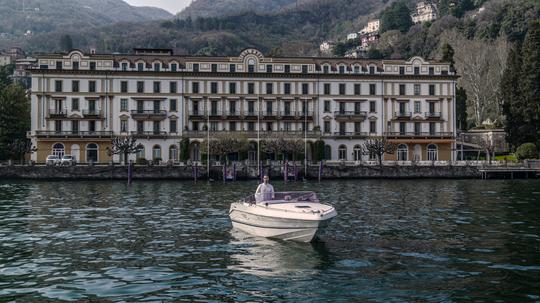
x: 393, y: 241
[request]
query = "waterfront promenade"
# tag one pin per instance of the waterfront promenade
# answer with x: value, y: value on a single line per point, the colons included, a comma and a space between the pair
x: 247, y: 171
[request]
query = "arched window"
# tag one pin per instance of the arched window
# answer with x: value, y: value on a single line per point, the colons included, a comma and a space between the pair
x: 92, y: 153
x: 58, y: 149
x: 342, y: 152
x: 402, y: 152
x: 156, y: 153
x: 173, y: 153
x: 251, y: 65
x: 140, y: 153
x: 357, y: 151
x: 432, y: 153
x: 327, y: 152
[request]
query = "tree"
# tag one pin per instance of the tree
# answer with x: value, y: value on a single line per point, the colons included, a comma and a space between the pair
x: 513, y: 106
x: 14, y: 116
x: 124, y: 147
x: 487, y: 144
x: 223, y: 145
x: 378, y: 148
x: 19, y: 148
x: 530, y: 81
x: 448, y: 54
x: 66, y: 43
x: 527, y: 151
x: 396, y: 16
x: 5, y: 75
x: 278, y: 144
x: 461, y: 109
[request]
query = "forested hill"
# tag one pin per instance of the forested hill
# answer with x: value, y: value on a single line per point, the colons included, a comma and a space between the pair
x: 39, y: 16
x: 223, y: 8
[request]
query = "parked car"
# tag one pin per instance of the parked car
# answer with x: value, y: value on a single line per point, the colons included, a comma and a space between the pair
x: 53, y: 160
x: 68, y: 160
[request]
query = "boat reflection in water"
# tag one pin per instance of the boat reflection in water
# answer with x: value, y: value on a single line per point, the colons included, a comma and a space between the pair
x: 264, y: 257
x: 295, y: 216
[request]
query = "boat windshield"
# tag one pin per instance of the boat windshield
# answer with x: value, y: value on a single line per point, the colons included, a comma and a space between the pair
x: 280, y: 197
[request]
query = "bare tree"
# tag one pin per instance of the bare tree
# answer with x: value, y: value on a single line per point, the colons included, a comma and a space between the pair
x: 378, y: 147
x: 224, y: 144
x: 278, y: 143
x: 487, y: 143
x: 125, y: 147
x: 19, y: 148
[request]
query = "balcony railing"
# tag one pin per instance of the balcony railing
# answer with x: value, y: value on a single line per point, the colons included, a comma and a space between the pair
x: 350, y: 114
x: 148, y: 134
x: 420, y: 134
x: 432, y: 115
x: 149, y: 114
x: 252, y: 133
x: 73, y: 134
x: 350, y: 134
x: 91, y: 113
x: 53, y: 113
x: 402, y: 114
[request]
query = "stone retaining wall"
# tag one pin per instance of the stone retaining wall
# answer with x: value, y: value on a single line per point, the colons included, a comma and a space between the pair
x: 243, y: 172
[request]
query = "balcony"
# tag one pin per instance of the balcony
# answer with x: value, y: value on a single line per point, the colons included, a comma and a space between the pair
x: 252, y: 134
x: 148, y: 134
x: 350, y: 115
x: 350, y: 135
x: 155, y: 114
x: 73, y: 134
x: 402, y: 115
x: 420, y: 135
x: 95, y: 114
x: 433, y: 115
x: 54, y: 113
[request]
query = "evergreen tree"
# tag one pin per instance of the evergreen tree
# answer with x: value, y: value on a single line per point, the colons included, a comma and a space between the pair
x: 461, y: 109
x: 448, y: 54
x: 530, y: 82
x: 66, y: 44
x: 14, y: 117
x: 397, y: 16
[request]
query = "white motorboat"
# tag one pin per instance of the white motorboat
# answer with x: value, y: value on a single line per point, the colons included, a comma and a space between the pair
x: 296, y: 216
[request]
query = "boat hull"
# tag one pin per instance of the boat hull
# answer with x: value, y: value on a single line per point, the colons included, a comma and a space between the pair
x: 290, y: 229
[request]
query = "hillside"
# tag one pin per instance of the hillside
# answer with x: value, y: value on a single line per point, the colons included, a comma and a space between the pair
x: 39, y: 16
x: 224, y: 8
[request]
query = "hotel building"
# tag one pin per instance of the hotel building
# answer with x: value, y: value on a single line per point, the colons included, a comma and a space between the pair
x: 81, y: 101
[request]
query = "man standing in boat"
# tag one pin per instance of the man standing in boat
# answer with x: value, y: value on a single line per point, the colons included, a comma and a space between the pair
x: 265, y: 191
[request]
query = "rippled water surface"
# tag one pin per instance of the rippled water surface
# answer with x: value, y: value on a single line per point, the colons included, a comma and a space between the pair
x: 393, y: 241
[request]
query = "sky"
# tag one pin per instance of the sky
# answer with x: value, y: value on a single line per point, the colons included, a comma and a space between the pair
x: 173, y: 6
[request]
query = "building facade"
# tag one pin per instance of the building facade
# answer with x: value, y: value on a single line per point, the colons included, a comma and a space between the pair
x: 372, y: 27
x: 81, y: 101
x: 425, y: 11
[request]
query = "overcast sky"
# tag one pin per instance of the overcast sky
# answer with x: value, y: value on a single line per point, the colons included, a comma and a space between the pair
x: 173, y: 6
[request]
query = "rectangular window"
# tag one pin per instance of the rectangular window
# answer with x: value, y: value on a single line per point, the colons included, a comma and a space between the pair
x: 58, y: 86
x: 432, y: 89
x: 251, y: 107
x: 92, y: 65
x: 172, y: 126
x: 140, y: 126
x: 123, y: 126
x: 402, y: 128
x: 75, y: 86
x: 140, y: 67
x: 157, y: 67
x: 432, y: 71
x: 402, y: 70
x: 417, y: 128
x: 356, y: 69
x: 251, y: 88
x: 196, y: 67
x: 327, y: 127
x: 92, y: 86
x: 357, y: 128
x: 213, y: 88
x: 76, y: 65
x: 342, y: 89
x: 92, y: 126
x: 432, y: 128
x: 287, y: 69
x: 372, y: 127
x: 327, y: 90
x: 75, y: 104
x: 173, y: 87
x: 326, y: 69
x: 214, y: 68
x: 232, y: 88
x: 268, y: 68
x: 232, y: 126
x: 417, y: 107
x: 287, y: 88
x: 213, y: 108
x: 174, y: 67
x: 372, y: 70
x: 417, y: 89
x: 372, y: 89
x: 251, y: 68
x: 357, y: 89
x: 251, y: 126
x: 402, y: 89
x: 172, y: 105
x: 305, y: 88
x: 124, y: 87
x: 326, y: 106
x: 140, y: 86
x: 124, y: 105
x: 269, y: 88
x: 195, y: 125
x: 417, y: 70
x: 214, y: 126
x: 195, y: 87
x: 269, y: 108
x: 372, y: 107
x: 232, y: 107
x: 341, y: 69
x: 232, y: 68
x: 59, y: 65
x: 157, y: 87
x: 157, y: 127
x: 269, y: 126
x: 304, y: 69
